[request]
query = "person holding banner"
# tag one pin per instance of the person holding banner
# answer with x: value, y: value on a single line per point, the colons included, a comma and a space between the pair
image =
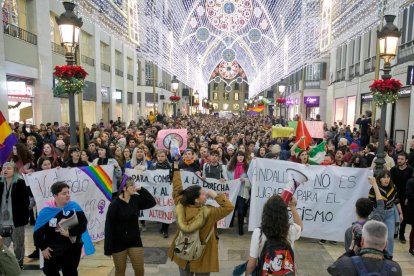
x: 61, y: 245
x: 192, y: 215
x: 188, y: 162
x: 163, y: 164
x: 393, y: 212
x: 122, y: 237
x: 237, y: 169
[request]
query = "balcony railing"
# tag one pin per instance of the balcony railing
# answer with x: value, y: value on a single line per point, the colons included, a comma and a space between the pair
x: 351, y: 73
x: 105, y: 67
x: 119, y: 72
x: 406, y: 52
x: 19, y: 33
x: 340, y: 74
x: 88, y: 60
x: 369, y: 65
x: 58, y: 49
x: 312, y: 84
x: 130, y: 77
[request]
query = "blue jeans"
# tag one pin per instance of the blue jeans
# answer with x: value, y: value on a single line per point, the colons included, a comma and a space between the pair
x: 390, y: 220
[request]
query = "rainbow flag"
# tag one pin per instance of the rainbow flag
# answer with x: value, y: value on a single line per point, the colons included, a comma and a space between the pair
x: 7, y: 139
x: 100, y: 178
x: 257, y: 108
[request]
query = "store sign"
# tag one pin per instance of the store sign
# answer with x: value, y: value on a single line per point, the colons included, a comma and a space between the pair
x: 405, y: 92
x: 410, y: 75
x: 367, y: 97
x: 311, y: 101
x: 19, y: 88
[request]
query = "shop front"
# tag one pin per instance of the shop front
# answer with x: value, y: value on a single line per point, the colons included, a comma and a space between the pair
x: 400, y: 116
x: 20, y: 99
x: 312, y: 106
x: 106, y: 103
x: 292, y: 106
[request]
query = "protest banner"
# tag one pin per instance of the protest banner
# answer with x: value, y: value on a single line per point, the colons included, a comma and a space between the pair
x: 230, y: 188
x: 326, y: 202
x: 165, y: 136
x: 283, y: 132
x: 315, y: 128
x: 158, y: 183
x: 90, y: 187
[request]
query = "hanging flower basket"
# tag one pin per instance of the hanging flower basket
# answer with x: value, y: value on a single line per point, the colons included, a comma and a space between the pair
x: 71, y: 79
x: 175, y: 99
x: 280, y: 101
x: 385, y: 91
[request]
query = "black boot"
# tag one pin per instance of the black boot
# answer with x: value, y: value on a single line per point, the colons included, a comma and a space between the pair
x: 241, y: 229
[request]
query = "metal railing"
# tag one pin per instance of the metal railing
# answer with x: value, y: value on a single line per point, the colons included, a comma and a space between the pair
x: 105, y: 67
x: 19, y: 33
x: 130, y: 77
x: 88, y: 60
x: 406, y: 52
x: 58, y: 49
x: 119, y: 72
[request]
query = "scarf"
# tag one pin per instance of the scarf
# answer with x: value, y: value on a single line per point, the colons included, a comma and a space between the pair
x: 163, y: 166
x: 188, y: 162
x: 50, y: 211
x: 239, y: 170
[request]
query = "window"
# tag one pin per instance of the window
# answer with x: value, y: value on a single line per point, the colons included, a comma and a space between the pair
x: 236, y: 106
x: 104, y: 53
x: 149, y: 73
x: 85, y: 44
x: 215, y: 86
x: 313, y: 72
x: 215, y: 96
x: 15, y: 13
x: 54, y: 30
x: 118, y: 60
x: 236, y: 86
x: 338, y: 58
x: 236, y: 96
x: 369, y: 39
x: 226, y: 96
x: 130, y: 65
x: 357, y: 49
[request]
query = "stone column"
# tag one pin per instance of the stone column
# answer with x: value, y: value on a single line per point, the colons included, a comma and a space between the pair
x: 112, y: 112
x: 3, y: 80
x: 143, y: 88
x: 98, y: 76
x: 125, y: 85
x: 135, y: 88
x: 47, y: 108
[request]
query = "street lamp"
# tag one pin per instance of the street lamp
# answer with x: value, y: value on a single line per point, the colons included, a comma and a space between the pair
x: 281, y: 87
x: 174, y: 83
x: 388, y: 41
x: 69, y: 27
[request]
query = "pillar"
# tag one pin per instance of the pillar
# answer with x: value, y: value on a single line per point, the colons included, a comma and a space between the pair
x: 112, y: 112
x: 135, y: 88
x: 98, y: 71
x: 3, y: 79
x: 125, y: 84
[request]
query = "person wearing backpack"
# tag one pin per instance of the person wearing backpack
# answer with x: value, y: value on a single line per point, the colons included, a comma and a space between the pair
x: 370, y: 260
x: 271, y: 246
x: 195, y: 246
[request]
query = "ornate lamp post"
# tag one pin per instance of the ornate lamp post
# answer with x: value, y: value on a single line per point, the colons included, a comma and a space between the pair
x: 388, y: 41
x: 281, y: 88
x: 69, y: 28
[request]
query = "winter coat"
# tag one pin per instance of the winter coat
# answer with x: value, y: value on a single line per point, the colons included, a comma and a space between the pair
x: 191, y: 218
x: 19, y: 195
x: 409, y: 216
x: 245, y: 186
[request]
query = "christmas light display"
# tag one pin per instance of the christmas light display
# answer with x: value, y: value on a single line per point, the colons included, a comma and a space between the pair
x: 269, y: 39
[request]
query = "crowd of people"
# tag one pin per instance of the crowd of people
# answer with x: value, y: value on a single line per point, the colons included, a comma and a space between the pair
x: 217, y: 148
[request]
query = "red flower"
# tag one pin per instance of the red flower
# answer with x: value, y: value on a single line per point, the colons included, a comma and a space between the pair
x: 68, y: 72
x: 280, y: 100
x: 175, y: 98
x: 385, y: 86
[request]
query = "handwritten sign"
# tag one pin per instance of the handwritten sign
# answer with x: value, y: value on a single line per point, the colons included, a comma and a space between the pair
x: 86, y: 190
x: 158, y: 183
x: 326, y: 202
x: 229, y: 188
x: 165, y: 137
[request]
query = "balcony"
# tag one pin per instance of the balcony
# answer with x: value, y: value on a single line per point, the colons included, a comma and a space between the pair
x: 88, y: 60
x: 19, y: 33
x: 351, y: 73
x: 58, y: 49
x: 130, y: 77
x: 105, y: 67
x: 406, y: 52
x: 340, y: 74
x: 119, y: 73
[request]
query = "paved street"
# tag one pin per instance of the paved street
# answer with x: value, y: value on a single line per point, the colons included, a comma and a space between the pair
x: 311, y: 257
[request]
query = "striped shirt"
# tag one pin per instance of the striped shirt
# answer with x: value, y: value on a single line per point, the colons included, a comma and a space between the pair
x: 389, y: 195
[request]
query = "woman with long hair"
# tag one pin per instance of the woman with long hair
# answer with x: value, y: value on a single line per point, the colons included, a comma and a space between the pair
x: 22, y: 158
x: 237, y: 169
x: 49, y: 151
x: 261, y: 153
x: 122, y: 237
x: 192, y: 215
x: 303, y: 156
x: 393, y: 212
x: 275, y: 226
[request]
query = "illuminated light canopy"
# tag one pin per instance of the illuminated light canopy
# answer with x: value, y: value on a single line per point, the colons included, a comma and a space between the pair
x: 270, y: 38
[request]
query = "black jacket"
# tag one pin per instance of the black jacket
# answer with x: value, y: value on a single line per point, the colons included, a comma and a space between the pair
x: 19, y: 195
x: 121, y: 226
x: 46, y: 236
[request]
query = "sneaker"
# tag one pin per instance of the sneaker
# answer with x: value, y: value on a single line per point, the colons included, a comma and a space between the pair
x: 333, y: 242
x: 403, y: 240
x: 322, y: 242
x: 34, y: 255
x: 411, y: 251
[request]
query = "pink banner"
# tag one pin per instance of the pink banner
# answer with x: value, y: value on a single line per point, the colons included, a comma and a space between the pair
x: 165, y: 136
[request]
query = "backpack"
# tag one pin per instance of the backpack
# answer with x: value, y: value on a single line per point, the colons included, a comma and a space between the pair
x: 188, y: 246
x: 362, y: 270
x: 276, y: 258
